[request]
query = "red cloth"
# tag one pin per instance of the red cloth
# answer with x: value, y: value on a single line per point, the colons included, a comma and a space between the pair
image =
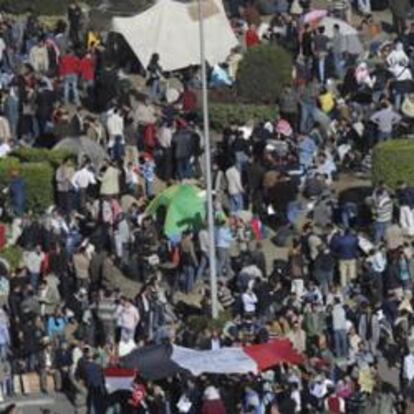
x: 87, y: 68
x: 273, y: 353
x: 150, y: 137
x: 69, y: 65
x: 252, y: 38
x: 213, y: 407
x: 189, y: 101
x: 257, y: 229
x: 3, y: 238
x: 334, y: 405
x: 45, y: 265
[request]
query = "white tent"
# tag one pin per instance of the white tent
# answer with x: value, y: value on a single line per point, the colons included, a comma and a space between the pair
x: 171, y: 29
x: 352, y: 43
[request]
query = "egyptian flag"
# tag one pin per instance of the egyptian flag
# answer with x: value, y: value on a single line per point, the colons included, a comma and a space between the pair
x: 162, y: 361
x: 117, y: 379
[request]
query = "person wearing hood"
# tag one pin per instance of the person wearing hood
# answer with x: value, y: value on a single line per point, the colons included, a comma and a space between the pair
x: 212, y: 403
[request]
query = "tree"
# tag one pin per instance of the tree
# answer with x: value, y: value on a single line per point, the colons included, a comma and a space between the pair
x: 263, y: 72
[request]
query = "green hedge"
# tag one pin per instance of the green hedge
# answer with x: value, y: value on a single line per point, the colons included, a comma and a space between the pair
x: 59, y: 7
x: 222, y: 115
x: 393, y: 161
x: 40, y: 7
x: 39, y: 181
x: 200, y: 323
x: 13, y: 255
x: 55, y: 157
x: 263, y: 72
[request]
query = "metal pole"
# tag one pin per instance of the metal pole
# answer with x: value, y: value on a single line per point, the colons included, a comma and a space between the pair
x: 209, y: 187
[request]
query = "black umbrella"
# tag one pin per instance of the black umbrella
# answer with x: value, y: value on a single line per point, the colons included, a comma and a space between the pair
x: 152, y: 362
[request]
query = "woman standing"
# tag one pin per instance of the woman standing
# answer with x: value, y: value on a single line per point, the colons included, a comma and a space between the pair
x: 154, y: 77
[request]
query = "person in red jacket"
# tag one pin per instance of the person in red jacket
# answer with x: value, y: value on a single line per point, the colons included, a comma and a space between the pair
x: 87, y: 66
x: 69, y: 72
x: 189, y: 100
x: 252, y: 38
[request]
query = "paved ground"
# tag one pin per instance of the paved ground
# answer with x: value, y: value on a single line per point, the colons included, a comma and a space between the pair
x: 39, y: 404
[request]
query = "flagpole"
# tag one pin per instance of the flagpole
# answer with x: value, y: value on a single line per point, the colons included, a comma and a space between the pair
x: 209, y: 188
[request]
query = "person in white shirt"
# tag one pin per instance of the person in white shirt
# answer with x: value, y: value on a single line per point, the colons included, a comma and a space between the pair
x: 33, y: 260
x: 115, y: 126
x: 132, y: 178
x: 235, y: 189
x: 81, y: 180
x: 128, y: 319
x: 339, y: 323
x: 408, y: 372
x: 204, y: 243
x: 3, y: 47
x: 249, y: 300
x: 5, y: 148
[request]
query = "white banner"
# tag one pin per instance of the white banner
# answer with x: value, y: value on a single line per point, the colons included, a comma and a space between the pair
x: 220, y: 361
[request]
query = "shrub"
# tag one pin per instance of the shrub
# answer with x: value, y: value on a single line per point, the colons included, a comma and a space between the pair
x: 222, y: 115
x: 199, y: 323
x: 263, y: 72
x: 39, y: 181
x: 55, y: 157
x: 393, y: 161
x: 13, y: 255
x: 56, y: 7
x: 41, y: 7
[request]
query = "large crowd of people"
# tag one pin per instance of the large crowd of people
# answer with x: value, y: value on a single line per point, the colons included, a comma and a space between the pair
x: 302, y: 252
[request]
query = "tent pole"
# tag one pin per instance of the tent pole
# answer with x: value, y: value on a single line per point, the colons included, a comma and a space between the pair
x: 207, y: 149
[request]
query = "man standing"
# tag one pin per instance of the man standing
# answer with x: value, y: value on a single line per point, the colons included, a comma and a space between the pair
x: 81, y: 180
x: 399, y: 10
x: 383, y: 208
x: 64, y: 175
x: 338, y: 49
x: 386, y: 118
x: 75, y: 20
x: 320, y: 49
x: 17, y: 191
x: 346, y: 246
x: 69, y: 70
x: 235, y: 189
x: 339, y: 328
x: 224, y: 240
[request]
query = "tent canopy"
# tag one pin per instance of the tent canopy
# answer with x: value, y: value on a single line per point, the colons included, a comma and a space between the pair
x: 352, y: 43
x: 171, y: 29
x: 183, y: 206
x: 83, y: 146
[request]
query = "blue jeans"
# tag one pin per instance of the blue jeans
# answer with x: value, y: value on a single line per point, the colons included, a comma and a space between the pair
x: 349, y: 211
x: 380, y: 227
x: 236, y: 202
x: 224, y: 262
x: 184, y: 168
x: 149, y: 188
x: 155, y: 90
x: 188, y: 276
x: 384, y: 136
x: 321, y: 68
x: 241, y: 160
x: 204, y: 262
x: 325, y: 279
x: 341, y: 343
x: 71, y: 86
x: 306, y: 117
x: 339, y: 65
x: 34, y: 280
